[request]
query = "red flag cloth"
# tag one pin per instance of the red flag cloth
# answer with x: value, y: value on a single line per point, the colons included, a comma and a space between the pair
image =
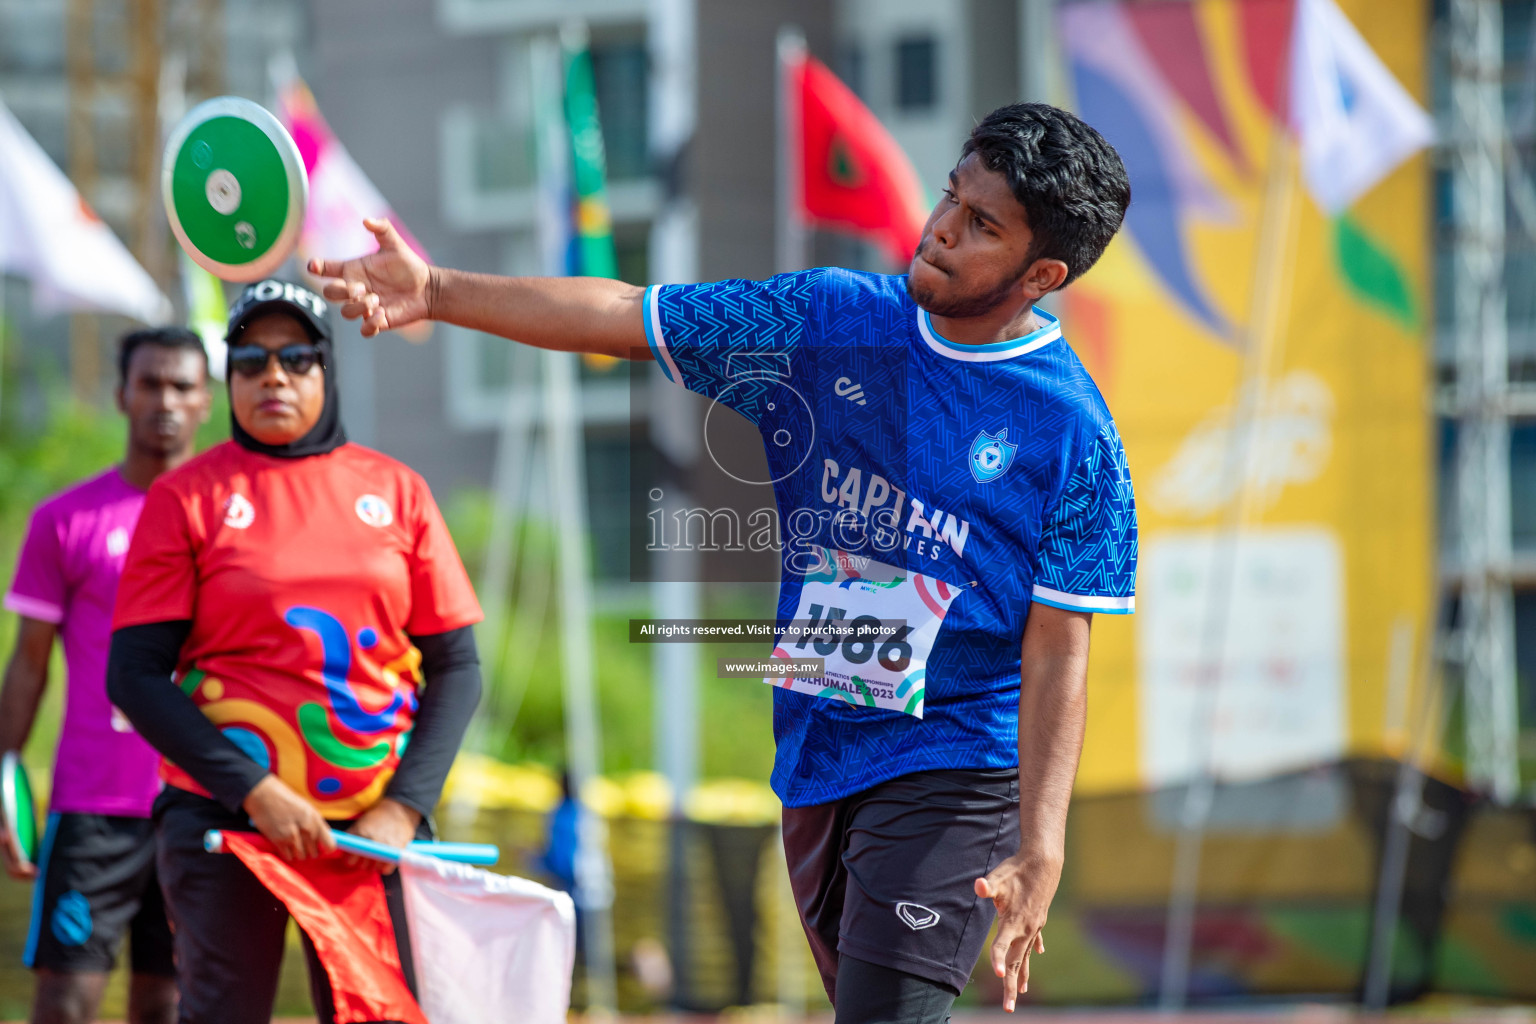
x: 854, y: 177
x: 342, y: 910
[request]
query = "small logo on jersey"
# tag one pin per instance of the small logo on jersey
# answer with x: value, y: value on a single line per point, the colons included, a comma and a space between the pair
x: 239, y: 512
x: 991, y: 455
x: 117, y: 542
x: 120, y: 721
x: 846, y: 388
x: 916, y: 916
x: 374, y: 510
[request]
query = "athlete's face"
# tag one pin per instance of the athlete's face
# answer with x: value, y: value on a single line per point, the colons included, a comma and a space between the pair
x: 165, y: 398
x: 277, y: 406
x: 975, y: 252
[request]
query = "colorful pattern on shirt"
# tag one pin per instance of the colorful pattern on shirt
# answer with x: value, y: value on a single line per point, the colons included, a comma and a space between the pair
x: 303, y: 579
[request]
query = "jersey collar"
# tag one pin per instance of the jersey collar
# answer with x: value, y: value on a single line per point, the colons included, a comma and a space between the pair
x: 1049, y: 331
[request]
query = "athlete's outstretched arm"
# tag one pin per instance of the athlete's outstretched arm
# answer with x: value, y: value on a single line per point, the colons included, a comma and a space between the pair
x: 26, y: 676
x: 1053, y: 710
x: 395, y: 288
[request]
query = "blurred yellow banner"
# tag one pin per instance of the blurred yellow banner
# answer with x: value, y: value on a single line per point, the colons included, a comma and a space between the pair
x: 1284, y: 492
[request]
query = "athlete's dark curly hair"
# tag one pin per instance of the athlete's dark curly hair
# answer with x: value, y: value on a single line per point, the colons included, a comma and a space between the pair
x: 1070, y: 181
x: 164, y: 337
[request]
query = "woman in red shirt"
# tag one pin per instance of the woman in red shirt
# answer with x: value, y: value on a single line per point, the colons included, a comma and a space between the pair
x: 293, y: 634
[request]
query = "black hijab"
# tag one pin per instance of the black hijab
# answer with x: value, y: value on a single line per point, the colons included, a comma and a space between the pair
x: 273, y: 296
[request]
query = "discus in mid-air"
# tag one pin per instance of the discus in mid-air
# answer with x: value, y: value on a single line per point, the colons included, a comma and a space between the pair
x: 235, y: 188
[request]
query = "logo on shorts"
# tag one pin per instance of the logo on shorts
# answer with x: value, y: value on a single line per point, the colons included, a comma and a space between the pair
x: 916, y: 916
x: 71, y: 920
x: 239, y: 512
x: 374, y: 510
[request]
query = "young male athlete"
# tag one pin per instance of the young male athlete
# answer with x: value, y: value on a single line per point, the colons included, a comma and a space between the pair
x: 95, y: 879
x: 965, y: 519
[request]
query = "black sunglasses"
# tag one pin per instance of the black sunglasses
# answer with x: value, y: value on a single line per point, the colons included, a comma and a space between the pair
x: 252, y: 360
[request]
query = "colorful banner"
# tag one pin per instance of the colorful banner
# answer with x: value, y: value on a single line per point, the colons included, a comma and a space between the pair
x: 1284, y: 494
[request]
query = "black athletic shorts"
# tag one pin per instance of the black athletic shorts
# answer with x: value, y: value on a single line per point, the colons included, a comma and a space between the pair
x: 96, y: 880
x: 888, y: 875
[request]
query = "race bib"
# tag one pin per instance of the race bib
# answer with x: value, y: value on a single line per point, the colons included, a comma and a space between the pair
x: 873, y: 625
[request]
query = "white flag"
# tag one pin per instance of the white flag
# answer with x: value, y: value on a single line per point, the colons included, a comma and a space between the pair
x: 49, y: 234
x: 487, y: 948
x: 1355, y: 121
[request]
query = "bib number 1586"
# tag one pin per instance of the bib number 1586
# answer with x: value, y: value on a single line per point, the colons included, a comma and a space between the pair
x: 863, y: 638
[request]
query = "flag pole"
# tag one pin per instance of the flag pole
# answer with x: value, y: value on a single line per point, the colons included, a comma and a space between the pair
x: 791, y: 237
x: 1263, y: 342
x: 675, y: 571
x: 565, y: 464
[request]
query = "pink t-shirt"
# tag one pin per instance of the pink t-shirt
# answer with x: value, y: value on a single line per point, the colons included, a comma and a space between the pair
x: 67, y: 575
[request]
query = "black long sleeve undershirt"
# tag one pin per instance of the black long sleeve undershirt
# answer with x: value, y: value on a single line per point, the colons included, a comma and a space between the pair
x: 450, y: 664
x: 143, y: 659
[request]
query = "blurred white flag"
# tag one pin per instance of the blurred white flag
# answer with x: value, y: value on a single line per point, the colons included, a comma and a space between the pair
x: 1355, y: 121
x: 487, y: 947
x: 49, y: 235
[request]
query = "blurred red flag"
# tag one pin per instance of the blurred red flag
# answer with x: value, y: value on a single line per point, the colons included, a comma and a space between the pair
x: 854, y: 177
x: 342, y: 910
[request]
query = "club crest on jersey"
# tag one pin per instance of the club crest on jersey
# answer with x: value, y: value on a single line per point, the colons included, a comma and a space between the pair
x: 991, y: 455
x: 374, y: 510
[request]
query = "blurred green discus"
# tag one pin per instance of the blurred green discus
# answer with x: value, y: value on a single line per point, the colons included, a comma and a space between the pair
x: 17, y: 807
x: 235, y: 188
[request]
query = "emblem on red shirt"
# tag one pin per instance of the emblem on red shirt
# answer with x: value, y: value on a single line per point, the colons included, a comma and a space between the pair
x: 239, y: 512
x: 374, y: 510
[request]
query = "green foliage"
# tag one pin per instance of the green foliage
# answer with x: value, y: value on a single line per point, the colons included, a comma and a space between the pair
x: 523, y: 711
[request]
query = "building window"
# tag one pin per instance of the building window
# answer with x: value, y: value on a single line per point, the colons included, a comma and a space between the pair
x: 620, y: 80
x: 850, y: 68
x: 916, y: 73
x: 1522, y: 485
x: 1525, y: 656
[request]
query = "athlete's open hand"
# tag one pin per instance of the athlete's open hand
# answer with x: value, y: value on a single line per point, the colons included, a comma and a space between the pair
x: 388, y: 289
x: 290, y: 823
x: 388, y: 822
x: 13, y: 863
x: 1021, y: 888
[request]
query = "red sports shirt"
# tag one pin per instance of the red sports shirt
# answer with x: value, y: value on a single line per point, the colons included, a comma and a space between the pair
x: 302, y: 579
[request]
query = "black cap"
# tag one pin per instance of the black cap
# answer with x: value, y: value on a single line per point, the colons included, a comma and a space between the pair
x: 274, y: 296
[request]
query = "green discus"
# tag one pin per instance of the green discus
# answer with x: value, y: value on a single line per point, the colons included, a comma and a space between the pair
x: 18, y: 808
x: 235, y: 188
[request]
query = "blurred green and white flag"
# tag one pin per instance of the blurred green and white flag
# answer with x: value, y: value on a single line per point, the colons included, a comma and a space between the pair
x: 594, y: 254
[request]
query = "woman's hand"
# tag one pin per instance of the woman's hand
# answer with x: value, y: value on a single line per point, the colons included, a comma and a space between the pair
x: 290, y: 823
x: 389, y: 822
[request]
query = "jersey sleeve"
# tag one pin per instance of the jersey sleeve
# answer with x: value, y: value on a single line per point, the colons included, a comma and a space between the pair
x: 159, y: 581
x: 442, y: 597
x: 38, y: 590
x: 708, y: 337
x: 1087, y: 557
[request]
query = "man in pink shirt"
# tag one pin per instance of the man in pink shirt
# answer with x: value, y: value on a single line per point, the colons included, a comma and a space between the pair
x: 95, y: 876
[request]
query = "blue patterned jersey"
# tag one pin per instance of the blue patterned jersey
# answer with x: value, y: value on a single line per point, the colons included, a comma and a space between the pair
x: 974, y: 479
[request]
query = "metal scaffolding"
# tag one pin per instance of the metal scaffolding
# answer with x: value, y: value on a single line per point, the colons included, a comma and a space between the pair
x: 99, y: 87
x: 1485, y: 637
